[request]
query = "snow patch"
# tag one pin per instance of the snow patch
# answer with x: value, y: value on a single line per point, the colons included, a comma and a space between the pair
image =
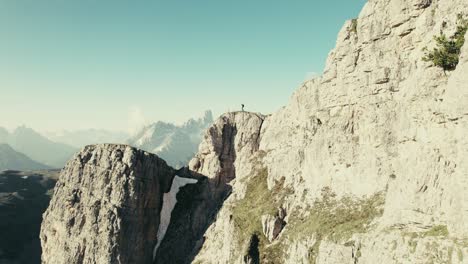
x: 169, y: 203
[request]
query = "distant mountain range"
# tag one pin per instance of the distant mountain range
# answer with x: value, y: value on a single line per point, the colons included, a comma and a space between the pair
x: 13, y: 160
x: 175, y: 144
x: 26, y: 149
x: 37, y: 147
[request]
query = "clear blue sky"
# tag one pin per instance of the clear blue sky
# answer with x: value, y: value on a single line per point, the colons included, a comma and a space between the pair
x: 70, y: 64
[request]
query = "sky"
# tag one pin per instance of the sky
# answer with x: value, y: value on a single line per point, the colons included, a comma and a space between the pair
x: 115, y: 64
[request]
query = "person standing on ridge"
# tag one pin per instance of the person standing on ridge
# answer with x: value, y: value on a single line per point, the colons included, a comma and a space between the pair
x: 242, y: 107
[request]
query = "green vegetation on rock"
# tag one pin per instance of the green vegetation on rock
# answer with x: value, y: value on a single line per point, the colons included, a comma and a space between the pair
x: 248, y: 211
x: 335, y: 219
x: 460, y: 255
x: 431, y: 240
x: 247, y: 214
x: 435, y: 231
x: 439, y: 230
x: 338, y: 219
x: 354, y: 25
x: 447, y: 53
x: 329, y: 218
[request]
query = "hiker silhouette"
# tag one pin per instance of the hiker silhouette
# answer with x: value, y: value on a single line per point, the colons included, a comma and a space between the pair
x: 242, y: 107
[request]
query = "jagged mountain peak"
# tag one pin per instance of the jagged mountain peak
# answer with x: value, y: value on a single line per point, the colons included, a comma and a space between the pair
x: 175, y: 143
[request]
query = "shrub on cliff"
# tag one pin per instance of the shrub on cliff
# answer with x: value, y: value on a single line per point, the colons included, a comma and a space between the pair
x: 354, y: 25
x: 447, y: 53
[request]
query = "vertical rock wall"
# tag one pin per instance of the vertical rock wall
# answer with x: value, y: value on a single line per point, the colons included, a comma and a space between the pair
x: 382, y: 132
x: 106, y: 207
x: 366, y: 164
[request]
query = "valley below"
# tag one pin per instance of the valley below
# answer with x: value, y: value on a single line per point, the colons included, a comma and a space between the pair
x: 24, y: 197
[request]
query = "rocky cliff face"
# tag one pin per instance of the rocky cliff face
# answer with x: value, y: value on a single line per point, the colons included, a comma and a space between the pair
x: 106, y: 207
x: 228, y: 146
x: 366, y: 164
x: 117, y: 204
x: 222, y: 159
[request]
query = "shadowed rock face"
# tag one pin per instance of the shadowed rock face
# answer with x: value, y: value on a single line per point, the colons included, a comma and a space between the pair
x: 226, y: 147
x: 106, y: 207
x: 217, y: 167
x: 107, y: 204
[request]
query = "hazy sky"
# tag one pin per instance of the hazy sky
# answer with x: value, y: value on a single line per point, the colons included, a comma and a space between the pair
x: 75, y: 64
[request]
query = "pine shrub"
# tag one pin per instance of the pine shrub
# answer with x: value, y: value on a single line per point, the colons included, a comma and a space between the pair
x: 447, y: 52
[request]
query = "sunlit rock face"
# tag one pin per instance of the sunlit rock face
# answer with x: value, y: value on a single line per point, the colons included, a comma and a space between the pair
x: 106, y: 207
x: 369, y: 160
x: 366, y: 164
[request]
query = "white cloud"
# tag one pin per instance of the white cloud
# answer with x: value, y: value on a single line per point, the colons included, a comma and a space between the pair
x: 136, y: 120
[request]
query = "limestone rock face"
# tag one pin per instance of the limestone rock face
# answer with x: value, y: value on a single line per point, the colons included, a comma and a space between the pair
x: 228, y: 146
x: 370, y: 160
x: 227, y: 157
x: 221, y: 163
x: 369, y: 163
x: 358, y: 135
x: 106, y: 207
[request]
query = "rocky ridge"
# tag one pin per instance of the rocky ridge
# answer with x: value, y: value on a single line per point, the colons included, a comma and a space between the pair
x: 366, y: 164
x: 217, y: 169
x: 368, y: 160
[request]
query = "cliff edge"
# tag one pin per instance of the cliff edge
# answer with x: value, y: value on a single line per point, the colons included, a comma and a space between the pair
x: 106, y: 207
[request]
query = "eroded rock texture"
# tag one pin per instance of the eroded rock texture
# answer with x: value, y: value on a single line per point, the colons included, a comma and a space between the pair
x: 223, y: 157
x: 369, y: 160
x: 368, y: 163
x: 105, y: 208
